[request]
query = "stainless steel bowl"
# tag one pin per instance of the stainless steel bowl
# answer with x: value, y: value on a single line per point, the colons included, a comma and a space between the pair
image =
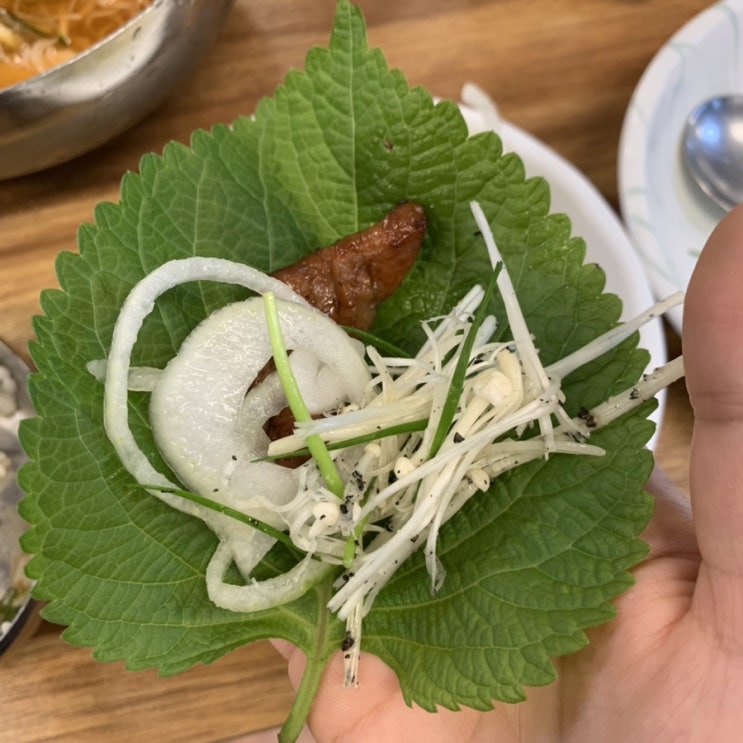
x: 86, y: 101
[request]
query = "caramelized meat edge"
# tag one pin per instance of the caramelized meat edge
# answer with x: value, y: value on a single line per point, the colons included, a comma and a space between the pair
x: 350, y: 278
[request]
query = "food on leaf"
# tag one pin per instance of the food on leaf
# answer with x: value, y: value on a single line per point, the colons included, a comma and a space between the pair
x: 128, y: 573
x: 347, y: 280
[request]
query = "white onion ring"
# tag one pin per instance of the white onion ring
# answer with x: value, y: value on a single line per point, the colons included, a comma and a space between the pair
x: 237, y: 541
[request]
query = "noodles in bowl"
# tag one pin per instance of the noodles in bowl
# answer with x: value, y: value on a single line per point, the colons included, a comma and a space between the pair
x: 36, y: 35
x: 77, y: 105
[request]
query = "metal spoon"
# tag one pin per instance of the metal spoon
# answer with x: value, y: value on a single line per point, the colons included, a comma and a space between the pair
x: 713, y: 149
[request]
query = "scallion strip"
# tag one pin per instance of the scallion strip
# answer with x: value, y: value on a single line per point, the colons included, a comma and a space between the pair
x: 369, y: 339
x: 365, y: 438
x: 456, y: 384
x: 232, y: 513
x: 315, y: 444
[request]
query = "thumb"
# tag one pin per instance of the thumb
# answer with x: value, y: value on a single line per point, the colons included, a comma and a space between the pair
x: 713, y: 359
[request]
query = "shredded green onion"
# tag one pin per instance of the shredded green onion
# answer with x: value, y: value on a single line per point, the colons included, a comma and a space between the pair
x: 315, y: 444
x: 367, y: 438
x: 369, y: 339
x: 392, y: 481
x: 232, y: 513
x: 454, y: 394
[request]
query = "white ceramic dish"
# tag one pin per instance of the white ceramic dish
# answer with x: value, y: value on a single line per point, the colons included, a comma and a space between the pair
x: 668, y: 217
x: 607, y: 243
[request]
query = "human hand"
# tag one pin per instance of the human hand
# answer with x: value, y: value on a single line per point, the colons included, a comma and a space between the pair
x: 669, y: 668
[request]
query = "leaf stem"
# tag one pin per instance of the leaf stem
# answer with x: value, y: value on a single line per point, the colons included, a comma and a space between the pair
x: 316, y: 662
x: 299, y: 409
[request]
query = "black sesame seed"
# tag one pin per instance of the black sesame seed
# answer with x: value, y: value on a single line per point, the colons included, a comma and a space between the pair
x: 348, y: 642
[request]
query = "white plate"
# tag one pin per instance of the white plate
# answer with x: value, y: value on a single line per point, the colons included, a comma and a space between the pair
x: 668, y: 217
x: 607, y: 244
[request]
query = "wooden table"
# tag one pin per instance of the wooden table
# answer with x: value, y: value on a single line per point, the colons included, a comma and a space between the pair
x: 560, y: 69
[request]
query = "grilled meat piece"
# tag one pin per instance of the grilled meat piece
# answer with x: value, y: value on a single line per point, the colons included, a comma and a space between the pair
x: 348, y: 280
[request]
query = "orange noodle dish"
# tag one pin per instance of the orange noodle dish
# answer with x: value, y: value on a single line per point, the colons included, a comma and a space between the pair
x: 36, y: 35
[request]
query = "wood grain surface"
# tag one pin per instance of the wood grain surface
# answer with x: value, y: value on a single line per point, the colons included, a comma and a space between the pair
x: 563, y: 70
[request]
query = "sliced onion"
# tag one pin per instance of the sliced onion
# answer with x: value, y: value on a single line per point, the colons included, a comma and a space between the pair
x: 195, y: 408
x: 208, y: 425
x: 257, y: 596
x: 203, y: 390
x: 138, y: 304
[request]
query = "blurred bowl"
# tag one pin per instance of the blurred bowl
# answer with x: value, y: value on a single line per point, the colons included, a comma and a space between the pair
x: 668, y: 217
x: 86, y: 101
x: 18, y: 611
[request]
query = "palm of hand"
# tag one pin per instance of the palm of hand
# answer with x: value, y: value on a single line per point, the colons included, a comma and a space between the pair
x: 660, y: 672
x: 669, y: 669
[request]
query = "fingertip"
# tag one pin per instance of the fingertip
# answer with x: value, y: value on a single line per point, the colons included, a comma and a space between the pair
x: 284, y: 647
x: 713, y: 321
x: 713, y: 361
x: 296, y: 660
x: 719, y: 270
x: 725, y: 243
